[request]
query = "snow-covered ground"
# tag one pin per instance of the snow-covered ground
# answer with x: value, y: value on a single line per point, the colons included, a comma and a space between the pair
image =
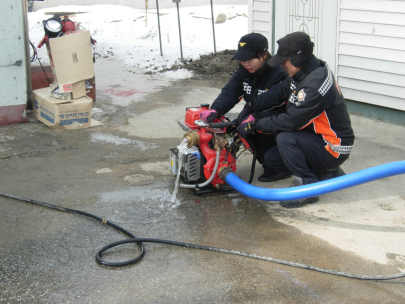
x: 132, y: 35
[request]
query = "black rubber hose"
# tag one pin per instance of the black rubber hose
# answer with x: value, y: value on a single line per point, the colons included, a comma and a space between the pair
x: 255, y: 256
x: 92, y: 216
x: 140, y: 241
x: 252, y: 168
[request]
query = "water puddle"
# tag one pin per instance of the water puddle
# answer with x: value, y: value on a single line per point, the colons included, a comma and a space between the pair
x: 139, y: 205
x: 112, y: 139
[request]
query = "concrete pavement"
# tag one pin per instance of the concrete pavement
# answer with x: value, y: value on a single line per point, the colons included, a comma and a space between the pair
x: 118, y: 170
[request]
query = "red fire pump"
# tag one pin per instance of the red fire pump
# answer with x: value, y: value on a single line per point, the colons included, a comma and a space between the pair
x: 207, y: 148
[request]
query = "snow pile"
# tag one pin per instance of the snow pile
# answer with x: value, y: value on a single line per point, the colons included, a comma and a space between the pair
x: 132, y: 35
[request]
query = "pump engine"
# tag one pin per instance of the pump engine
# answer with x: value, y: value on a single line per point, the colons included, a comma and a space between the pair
x: 207, y: 148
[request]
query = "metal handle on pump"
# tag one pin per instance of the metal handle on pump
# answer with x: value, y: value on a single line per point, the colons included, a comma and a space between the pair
x: 223, y: 124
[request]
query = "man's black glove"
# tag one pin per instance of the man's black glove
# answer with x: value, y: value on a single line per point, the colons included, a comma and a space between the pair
x: 248, y: 126
x: 246, y: 111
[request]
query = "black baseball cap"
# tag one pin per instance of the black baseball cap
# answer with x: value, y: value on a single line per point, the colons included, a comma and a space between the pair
x: 249, y: 45
x: 297, y: 46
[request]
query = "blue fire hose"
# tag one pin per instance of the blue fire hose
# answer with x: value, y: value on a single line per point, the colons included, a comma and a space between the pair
x: 319, y: 188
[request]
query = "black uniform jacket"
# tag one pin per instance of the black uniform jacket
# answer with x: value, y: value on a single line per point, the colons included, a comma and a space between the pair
x: 315, y: 104
x: 249, y: 86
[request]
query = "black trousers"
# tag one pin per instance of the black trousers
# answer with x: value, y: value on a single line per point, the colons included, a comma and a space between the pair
x: 263, y: 143
x: 302, y: 154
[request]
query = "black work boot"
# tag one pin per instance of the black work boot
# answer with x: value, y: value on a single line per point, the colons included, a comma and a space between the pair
x: 298, y: 181
x: 328, y: 174
x: 272, y: 178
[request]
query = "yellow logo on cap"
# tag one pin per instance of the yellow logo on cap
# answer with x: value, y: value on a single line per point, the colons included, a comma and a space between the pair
x: 242, y: 44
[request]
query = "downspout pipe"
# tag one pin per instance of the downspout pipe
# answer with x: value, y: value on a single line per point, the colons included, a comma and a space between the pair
x: 273, y: 28
x: 319, y: 188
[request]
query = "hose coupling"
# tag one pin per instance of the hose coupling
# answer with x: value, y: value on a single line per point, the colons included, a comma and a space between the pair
x: 223, y: 172
x: 192, y: 137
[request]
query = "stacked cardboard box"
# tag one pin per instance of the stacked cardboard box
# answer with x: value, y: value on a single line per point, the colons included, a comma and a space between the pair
x: 72, y: 63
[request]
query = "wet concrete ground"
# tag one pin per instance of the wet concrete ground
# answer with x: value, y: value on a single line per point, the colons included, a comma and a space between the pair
x: 118, y: 170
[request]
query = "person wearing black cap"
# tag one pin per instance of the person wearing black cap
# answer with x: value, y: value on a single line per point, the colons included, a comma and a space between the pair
x: 314, y: 135
x: 252, y: 80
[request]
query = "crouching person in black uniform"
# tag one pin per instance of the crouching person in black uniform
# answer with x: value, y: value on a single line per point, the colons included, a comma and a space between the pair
x: 314, y: 136
x: 252, y: 80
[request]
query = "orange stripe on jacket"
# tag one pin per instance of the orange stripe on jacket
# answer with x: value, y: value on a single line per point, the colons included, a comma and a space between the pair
x: 322, y: 126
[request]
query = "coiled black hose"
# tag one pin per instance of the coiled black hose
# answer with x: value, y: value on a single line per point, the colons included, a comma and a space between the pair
x: 140, y: 241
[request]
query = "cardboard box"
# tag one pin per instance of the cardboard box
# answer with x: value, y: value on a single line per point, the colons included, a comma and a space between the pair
x: 71, y: 91
x: 78, y: 89
x: 72, y: 59
x: 62, y: 114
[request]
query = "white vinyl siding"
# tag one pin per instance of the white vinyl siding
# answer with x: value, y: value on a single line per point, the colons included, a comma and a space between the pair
x: 260, y: 14
x: 367, y: 28
x: 371, y: 52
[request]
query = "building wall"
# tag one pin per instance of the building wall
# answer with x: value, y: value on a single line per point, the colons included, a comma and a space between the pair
x: 318, y: 18
x: 138, y: 4
x: 371, y: 52
x: 260, y: 15
x: 363, y: 42
x: 14, y: 84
